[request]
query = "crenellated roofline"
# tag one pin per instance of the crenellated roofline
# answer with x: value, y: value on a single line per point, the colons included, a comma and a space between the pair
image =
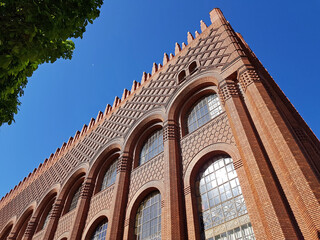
x: 109, y: 110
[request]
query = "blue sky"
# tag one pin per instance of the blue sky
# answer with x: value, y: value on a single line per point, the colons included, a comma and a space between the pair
x: 126, y: 39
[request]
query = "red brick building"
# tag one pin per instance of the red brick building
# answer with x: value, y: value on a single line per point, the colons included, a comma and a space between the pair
x: 207, y: 146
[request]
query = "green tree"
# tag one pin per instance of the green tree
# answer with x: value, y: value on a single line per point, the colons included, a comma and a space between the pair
x: 33, y: 32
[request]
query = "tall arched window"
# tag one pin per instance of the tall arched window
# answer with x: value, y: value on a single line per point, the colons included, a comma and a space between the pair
x: 203, y: 111
x: 45, y: 215
x: 221, y: 203
x: 101, y: 231
x: 110, y: 176
x: 148, y: 219
x: 75, y: 198
x: 152, y: 147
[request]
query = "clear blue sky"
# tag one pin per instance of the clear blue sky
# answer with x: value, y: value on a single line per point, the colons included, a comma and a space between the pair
x: 126, y: 39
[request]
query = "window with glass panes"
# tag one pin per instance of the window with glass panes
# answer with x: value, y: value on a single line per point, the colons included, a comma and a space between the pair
x: 152, y: 147
x: 110, y: 176
x: 75, y: 199
x: 101, y: 231
x: 46, y: 219
x: 148, y: 219
x: 203, y: 111
x: 223, y: 212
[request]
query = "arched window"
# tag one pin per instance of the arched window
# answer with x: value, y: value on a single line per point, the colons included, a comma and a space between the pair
x: 6, y: 233
x: 223, y: 212
x: 152, y: 147
x: 148, y: 219
x: 23, y: 227
x: 203, y: 111
x: 45, y: 216
x: 75, y: 198
x: 101, y: 231
x: 110, y: 176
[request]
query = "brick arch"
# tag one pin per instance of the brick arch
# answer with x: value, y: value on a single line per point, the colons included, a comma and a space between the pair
x: 116, y: 143
x: 64, y: 236
x: 190, y: 178
x: 80, y: 171
x: 8, y: 227
x: 98, y: 218
x: 134, y: 204
x: 22, y: 223
x: 188, y: 89
x: 154, y: 116
x: 60, y: 202
x: 201, y: 157
x: 43, y: 206
x: 99, y: 164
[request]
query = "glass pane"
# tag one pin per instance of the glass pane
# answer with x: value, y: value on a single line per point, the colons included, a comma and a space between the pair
x: 100, y: 231
x: 152, y: 147
x: 75, y: 199
x: 203, y: 111
x: 110, y: 176
x: 221, y: 201
x: 148, y: 218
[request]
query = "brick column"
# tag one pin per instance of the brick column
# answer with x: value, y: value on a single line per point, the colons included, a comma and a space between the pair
x: 291, y: 164
x: 120, y: 198
x: 82, y: 209
x: 271, y: 208
x: 53, y: 219
x: 173, y: 212
x: 32, y: 224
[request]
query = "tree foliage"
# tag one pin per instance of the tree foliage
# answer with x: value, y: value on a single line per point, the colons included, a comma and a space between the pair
x: 33, y: 32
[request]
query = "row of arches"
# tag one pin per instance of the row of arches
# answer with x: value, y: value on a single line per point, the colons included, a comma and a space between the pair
x: 147, y: 143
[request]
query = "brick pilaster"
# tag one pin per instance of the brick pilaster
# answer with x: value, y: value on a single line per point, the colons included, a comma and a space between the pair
x: 82, y: 209
x: 173, y: 212
x: 53, y: 220
x: 32, y: 224
x: 270, y: 207
x: 120, y: 198
x: 291, y: 164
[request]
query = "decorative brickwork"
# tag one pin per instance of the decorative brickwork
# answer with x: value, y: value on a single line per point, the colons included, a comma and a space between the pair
x: 248, y: 77
x: 215, y: 131
x: 228, y: 89
x: 170, y: 131
x: 151, y: 170
x: 64, y: 224
x: 100, y: 201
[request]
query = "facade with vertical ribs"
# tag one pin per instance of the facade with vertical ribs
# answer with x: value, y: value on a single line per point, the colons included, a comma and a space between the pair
x: 205, y: 147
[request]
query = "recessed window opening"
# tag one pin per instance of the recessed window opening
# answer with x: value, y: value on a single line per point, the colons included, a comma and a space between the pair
x: 152, y: 147
x: 148, y: 218
x: 181, y: 76
x: 203, y: 111
x: 223, y: 212
x: 193, y: 68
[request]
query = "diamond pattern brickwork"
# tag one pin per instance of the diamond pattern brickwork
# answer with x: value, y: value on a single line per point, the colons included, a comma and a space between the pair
x: 64, y: 224
x: 151, y: 170
x: 100, y: 201
x: 217, y: 130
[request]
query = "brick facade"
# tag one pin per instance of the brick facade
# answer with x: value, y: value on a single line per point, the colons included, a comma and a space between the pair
x: 275, y: 154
